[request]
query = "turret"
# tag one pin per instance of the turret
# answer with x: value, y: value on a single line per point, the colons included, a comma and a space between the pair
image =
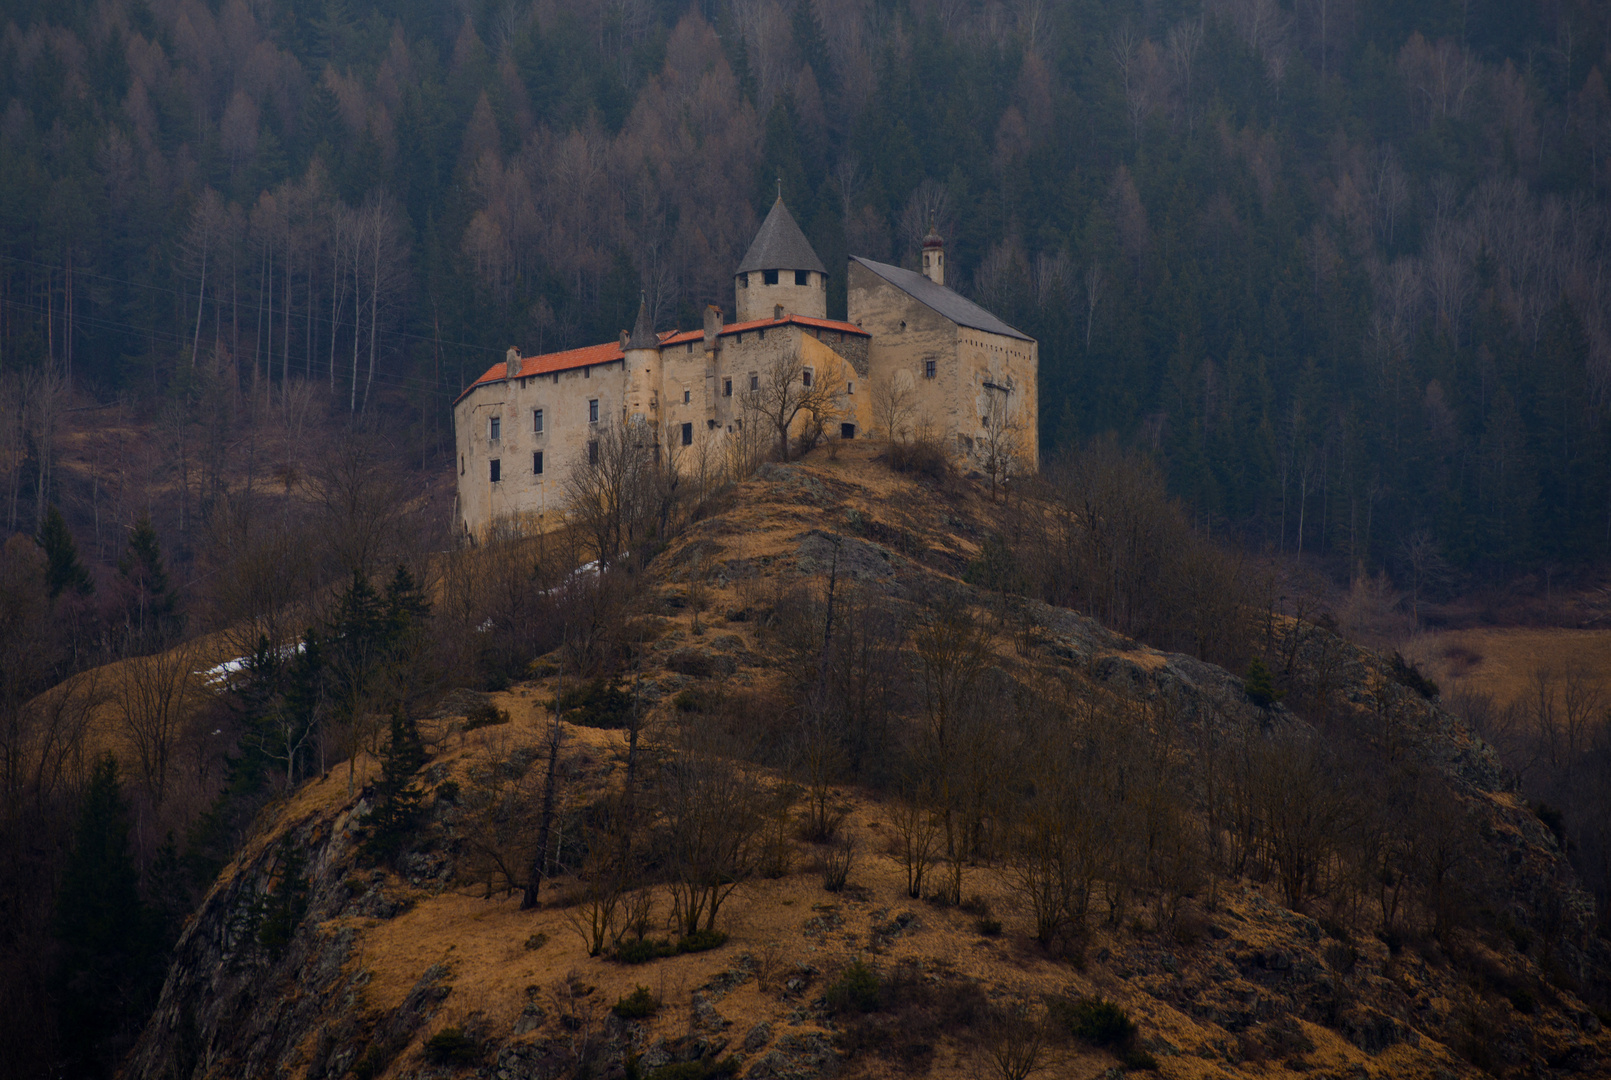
x: 934, y: 255
x: 780, y: 270
x: 641, y: 350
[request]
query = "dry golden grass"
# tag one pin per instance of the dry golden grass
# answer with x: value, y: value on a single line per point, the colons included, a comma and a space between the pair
x: 1501, y: 662
x: 793, y: 920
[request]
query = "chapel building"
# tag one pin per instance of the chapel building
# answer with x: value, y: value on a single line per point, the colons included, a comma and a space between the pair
x: 956, y: 371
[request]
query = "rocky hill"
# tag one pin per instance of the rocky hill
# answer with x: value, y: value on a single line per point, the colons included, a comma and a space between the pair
x: 309, y: 959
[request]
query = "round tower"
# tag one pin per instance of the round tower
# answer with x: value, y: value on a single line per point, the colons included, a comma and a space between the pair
x: 641, y: 351
x: 780, y: 270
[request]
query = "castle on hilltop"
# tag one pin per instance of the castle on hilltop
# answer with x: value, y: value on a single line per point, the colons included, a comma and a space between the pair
x: 914, y: 356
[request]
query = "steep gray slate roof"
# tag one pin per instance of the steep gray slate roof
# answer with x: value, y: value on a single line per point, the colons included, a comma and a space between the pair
x: 958, y: 309
x: 780, y: 245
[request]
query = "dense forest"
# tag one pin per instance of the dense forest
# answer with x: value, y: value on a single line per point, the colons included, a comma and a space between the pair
x: 1339, y: 264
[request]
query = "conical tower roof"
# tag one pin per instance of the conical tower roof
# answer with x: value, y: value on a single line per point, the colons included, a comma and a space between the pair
x: 643, y: 335
x: 780, y: 245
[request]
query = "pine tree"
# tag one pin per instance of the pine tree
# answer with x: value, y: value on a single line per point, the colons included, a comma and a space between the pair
x: 109, y: 969
x: 151, y: 605
x: 397, y: 799
x: 279, y: 911
x: 1259, y: 686
x: 64, y: 571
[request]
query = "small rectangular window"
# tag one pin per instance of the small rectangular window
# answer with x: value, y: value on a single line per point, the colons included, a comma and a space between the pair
x: 687, y: 396
x: 688, y: 434
x: 587, y: 373
x: 556, y: 378
x: 537, y: 421
x: 537, y: 463
x: 928, y: 369
x: 769, y: 277
x: 802, y: 277
x: 850, y: 388
x: 727, y: 388
x: 690, y: 346
x: 461, y: 464
x: 593, y: 410
x: 593, y: 452
x: 805, y: 376
x: 755, y: 382
x: 496, y: 469
x: 494, y: 426
x: 761, y: 334
x: 743, y: 281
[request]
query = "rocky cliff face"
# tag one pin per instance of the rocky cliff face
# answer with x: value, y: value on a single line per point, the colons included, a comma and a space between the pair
x: 381, y: 961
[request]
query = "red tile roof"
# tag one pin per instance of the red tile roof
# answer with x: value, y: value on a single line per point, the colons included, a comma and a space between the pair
x: 592, y: 355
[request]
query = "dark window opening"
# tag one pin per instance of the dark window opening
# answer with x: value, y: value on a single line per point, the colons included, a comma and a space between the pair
x: 847, y: 431
x: 727, y: 388
x: 537, y: 421
x: 593, y: 452
x: 593, y: 411
x: 710, y: 425
x: 537, y: 463
x: 743, y: 281
x: 496, y: 470
x: 928, y: 369
x: 461, y: 464
x: 769, y: 277
x: 556, y: 378
x: 802, y: 277
x: 755, y: 382
x: 805, y: 376
x: 494, y: 426
x: 690, y: 346
x: 761, y: 334
x: 687, y: 396
x: 688, y: 434
x: 587, y: 372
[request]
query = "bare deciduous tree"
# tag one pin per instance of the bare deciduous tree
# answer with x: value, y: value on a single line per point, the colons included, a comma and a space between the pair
x: 623, y: 490
x: 796, y: 399
x: 158, y: 696
x: 712, y: 810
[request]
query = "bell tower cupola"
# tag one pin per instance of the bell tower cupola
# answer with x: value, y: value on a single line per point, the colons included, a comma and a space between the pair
x: 780, y: 270
x: 934, y: 255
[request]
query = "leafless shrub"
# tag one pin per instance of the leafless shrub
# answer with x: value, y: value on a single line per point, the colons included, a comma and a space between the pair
x: 836, y: 861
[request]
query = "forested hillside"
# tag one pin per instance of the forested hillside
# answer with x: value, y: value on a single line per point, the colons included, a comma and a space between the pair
x: 1341, y: 264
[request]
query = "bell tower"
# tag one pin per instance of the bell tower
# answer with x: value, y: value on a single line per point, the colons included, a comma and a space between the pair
x: 934, y: 255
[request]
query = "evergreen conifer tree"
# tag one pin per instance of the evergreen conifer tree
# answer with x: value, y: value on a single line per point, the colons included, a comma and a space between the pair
x: 397, y: 799
x: 109, y: 969
x: 64, y: 571
x: 280, y: 910
x: 150, y: 605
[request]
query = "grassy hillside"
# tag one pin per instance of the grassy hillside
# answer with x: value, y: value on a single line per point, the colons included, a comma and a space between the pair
x: 1225, y: 954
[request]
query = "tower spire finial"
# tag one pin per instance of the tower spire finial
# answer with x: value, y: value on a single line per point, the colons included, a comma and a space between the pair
x: 780, y: 189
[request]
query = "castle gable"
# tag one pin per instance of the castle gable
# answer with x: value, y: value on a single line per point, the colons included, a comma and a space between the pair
x: 958, y: 309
